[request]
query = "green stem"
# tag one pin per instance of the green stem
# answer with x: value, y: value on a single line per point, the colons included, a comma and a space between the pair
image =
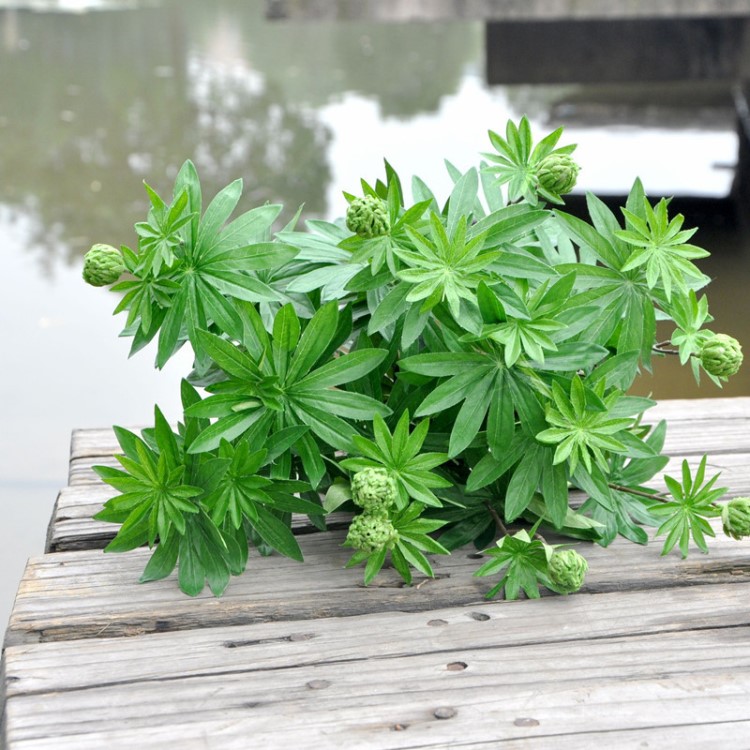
x: 660, y: 496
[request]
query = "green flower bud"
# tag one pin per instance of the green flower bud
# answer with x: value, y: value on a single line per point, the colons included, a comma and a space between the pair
x: 567, y: 569
x: 368, y: 217
x: 370, y: 533
x: 102, y: 265
x: 721, y: 355
x: 557, y: 173
x: 374, y: 490
x: 735, y: 517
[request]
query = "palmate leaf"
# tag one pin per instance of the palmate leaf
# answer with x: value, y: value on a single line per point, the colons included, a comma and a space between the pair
x: 409, y: 549
x: 241, y: 495
x: 446, y: 266
x: 474, y: 379
x: 522, y: 560
x: 660, y: 246
x: 189, y: 267
x: 685, y: 516
x: 583, y: 427
x: 516, y: 160
x: 268, y: 383
x: 154, y: 499
x: 399, y: 453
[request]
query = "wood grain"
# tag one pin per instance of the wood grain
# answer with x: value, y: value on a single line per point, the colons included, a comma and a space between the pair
x: 654, y: 652
x: 86, y: 594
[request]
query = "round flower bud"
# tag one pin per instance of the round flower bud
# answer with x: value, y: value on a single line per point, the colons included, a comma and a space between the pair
x: 374, y: 489
x: 735, y: 517
x: 721, y: 355
x: 567, y: 569
x: 102, y: 265
x: 370, y: 533
x: 557, y: 173
x: 368, y: 217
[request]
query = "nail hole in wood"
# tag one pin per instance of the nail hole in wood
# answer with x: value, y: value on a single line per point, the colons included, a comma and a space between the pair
x: 318, y: 684
x: 525, y: 721
x: 399, y: 727
x: 444, y: 712
x: 457, y: 666
x: 301, y: 636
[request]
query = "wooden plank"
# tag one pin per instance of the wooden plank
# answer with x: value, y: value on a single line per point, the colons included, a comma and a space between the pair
x: 216, y: 737
x: 72, y: 526
x: 71, y: 595
x: 541, y: 690
x: 655, y: 650
x: 32, y: 668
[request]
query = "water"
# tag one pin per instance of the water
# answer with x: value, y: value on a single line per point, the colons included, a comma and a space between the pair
x: 93, y: 103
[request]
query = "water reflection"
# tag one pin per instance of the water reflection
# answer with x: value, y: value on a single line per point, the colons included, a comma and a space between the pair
x: 119, y: 97
x: 116, y: 100
x: 91, y: 104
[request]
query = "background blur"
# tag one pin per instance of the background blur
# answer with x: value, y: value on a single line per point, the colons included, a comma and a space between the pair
x: 95, y: 97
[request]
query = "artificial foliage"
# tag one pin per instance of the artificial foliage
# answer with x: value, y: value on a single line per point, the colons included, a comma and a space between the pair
x: 443, y: 371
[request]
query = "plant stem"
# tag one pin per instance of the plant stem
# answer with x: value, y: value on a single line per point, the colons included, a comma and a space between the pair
x: 651, y: 496
x: 659, y: 348
x: 498, y: 521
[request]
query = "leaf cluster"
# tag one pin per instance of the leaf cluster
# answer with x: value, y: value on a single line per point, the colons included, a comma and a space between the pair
x: 479, y: 350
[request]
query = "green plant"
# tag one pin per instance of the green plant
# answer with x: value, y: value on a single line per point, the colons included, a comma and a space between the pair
x: 439, y: 369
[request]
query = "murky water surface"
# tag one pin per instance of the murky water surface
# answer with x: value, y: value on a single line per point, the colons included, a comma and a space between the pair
x: 92, y: 103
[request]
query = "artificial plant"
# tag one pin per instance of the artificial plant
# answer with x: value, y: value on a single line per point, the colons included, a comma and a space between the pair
x: 445, y: 370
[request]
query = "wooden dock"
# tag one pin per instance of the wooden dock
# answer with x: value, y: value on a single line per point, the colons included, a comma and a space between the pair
x: 653, y: 653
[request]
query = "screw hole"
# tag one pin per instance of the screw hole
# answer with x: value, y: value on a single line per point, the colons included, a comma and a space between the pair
x: 445, y: 712
x: 479, y: 616
x: 526, y: 722
x: 457, y: 666
x: 318, y: 684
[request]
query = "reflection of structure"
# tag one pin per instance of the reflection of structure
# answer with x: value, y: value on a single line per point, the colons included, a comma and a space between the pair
x: 598, y: 42
x: 500, y: 10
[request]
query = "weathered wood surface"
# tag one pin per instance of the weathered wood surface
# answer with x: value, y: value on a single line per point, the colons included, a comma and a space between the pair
x: 654, y: 652
x: 723, y: 433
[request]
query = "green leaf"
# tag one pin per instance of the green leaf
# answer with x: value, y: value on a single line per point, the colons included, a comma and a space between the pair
x: 462, y: 198
x: 390, y: 309
x: 275, y: 532
x: 163, y: 561
x: 336, y: 495
x: 343, y: 369
x: 228, y: 357
x: 314, y: 341
x: 190, y: 573
x: 471, y: 415
x: 217, y: 213
x: 523, y: 483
